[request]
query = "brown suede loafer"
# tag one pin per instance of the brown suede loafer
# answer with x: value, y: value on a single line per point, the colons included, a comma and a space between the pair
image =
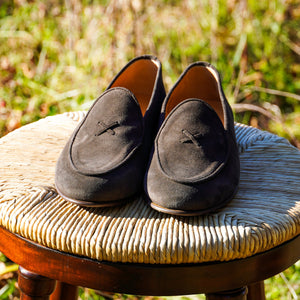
x: 104, y: 161
x: 194, y: 166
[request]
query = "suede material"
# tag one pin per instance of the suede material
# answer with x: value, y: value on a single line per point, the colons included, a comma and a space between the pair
x: 193, y: 132
x: 194, y: 197
x: 124, y: 182
x: 111, y: 132
x: 104, y: 161
x: 194, y: 165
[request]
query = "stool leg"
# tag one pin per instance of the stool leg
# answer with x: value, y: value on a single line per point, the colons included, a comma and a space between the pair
x: 256, y: 291
x: 238, y: 294
x: 64, y: 291
x: 34, y: 286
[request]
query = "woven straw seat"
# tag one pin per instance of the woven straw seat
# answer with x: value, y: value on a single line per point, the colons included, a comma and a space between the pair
x: 264, y: 214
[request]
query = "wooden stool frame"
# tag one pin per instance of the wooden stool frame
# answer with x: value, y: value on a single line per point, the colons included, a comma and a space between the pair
x: 241, y: 279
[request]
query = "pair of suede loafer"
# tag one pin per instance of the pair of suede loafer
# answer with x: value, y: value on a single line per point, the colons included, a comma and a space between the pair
x: 180, y: 147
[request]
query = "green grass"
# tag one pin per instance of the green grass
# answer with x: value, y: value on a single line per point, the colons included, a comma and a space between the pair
x: 285, y: 285
x: 58, y: 56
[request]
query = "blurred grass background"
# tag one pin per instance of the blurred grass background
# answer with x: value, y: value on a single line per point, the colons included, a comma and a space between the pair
x: 59, y: 55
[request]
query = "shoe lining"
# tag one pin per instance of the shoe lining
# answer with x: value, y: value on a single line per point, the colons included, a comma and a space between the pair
x: 199, y: 82
x: 139, y: 78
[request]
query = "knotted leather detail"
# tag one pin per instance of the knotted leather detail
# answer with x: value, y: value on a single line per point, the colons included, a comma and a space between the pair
x: 192, y: 145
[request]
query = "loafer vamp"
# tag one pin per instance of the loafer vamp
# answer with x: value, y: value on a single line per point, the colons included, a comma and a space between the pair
x: 111, y: 132
x: 192, y: 198
x: 121, y: 183
x: 191, y: 145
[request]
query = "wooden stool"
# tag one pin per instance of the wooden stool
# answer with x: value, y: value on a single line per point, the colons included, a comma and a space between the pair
x: 135, y: 250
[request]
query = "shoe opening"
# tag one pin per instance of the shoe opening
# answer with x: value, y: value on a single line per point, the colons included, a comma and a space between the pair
x: 139, y: 77
x: 199, y: 82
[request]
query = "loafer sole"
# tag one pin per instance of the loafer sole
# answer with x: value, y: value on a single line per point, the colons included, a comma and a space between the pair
x: 189, y: 213
x: 96, y: 204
